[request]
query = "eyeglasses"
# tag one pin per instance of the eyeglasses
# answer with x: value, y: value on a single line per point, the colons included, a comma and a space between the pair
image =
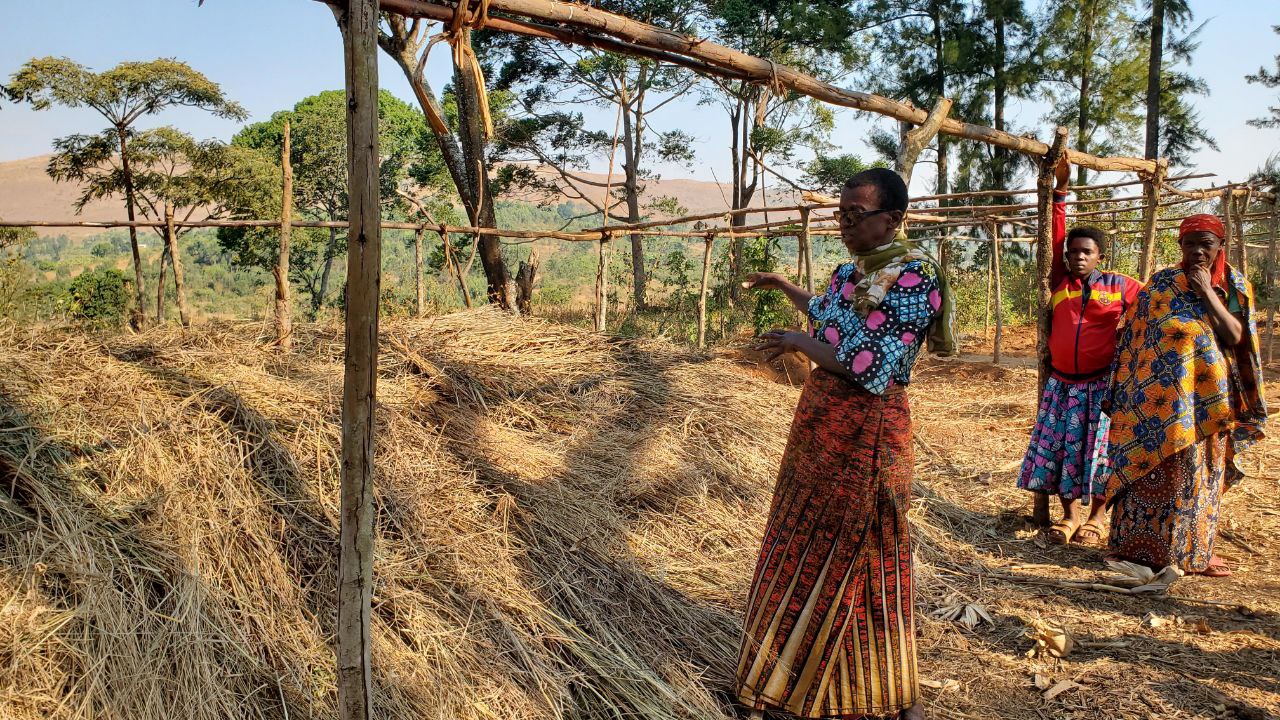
x: 856, y: 215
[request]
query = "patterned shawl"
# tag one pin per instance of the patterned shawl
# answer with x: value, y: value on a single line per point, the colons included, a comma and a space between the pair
x: 1174, y: 386
x: 880, y: 268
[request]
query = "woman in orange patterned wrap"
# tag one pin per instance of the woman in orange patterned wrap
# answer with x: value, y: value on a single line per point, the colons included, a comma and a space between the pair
x: 1186, y: 401
x: 829, y: 627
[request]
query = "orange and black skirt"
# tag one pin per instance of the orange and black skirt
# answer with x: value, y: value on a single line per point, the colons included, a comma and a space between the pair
x: 830, y: 629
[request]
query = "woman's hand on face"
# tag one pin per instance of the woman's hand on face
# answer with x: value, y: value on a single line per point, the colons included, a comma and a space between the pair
x: 1200, y: 280
x: 764, y: 281
x: 778, y: 342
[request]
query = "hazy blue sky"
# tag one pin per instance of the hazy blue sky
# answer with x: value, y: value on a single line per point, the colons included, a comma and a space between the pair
x: 267, y: 54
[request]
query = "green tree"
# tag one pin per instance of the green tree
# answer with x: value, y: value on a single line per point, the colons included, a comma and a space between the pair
x: 1270, y: 79
x: 171, y: 174
x: 1096, y: 69
x: 318, y: 153
x: 1168, y: 90
x: 548, y: 76
x: 122, y: 95
x: 768, y: 125
x: 100, y: 298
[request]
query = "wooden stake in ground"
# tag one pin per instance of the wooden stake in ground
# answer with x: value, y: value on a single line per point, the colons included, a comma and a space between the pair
x: 702, y: 290
x: 359, y: 24
x: 525, y: 278
x: 998, y: 294
x: 602, y: 283
x: 808, y: 249
x: 1269, y: 281
x: 171, y: 243
x: 1150, y: 217
x: 986, y: 317
x: 420, y: 308
x: 284, y: 306
x: 1228, y: 247
x: 1044, y: 246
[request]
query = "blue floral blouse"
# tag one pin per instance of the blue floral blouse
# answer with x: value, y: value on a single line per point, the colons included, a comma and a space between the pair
x: 877, y: 324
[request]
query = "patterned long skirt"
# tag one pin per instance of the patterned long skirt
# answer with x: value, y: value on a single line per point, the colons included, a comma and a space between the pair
x: 1170, y: 516
x: 830, y: 629
x: 1068, y: 451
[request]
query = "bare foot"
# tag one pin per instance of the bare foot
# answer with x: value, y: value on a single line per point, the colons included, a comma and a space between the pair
x: 915, y: 712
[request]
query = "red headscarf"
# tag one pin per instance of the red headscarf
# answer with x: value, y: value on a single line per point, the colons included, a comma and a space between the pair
x: 1205, y: 222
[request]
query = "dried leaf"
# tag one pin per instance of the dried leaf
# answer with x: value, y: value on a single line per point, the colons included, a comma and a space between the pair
x: 1061, y: 687
x: 1049, y: 640
x: 1153, y: 620
x: 1041, y: 682
x: 941, y: 685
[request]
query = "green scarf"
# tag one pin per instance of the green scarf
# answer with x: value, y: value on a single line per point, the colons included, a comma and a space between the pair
x: 941, y: 338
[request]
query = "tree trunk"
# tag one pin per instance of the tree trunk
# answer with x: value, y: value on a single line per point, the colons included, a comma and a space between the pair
x: 317, y: 300
x: 284, y: 306
x: 1154, y: 68
x: 171, y: 243
x: 632, y: 146
x: 138, y: 319
x: 940, y: 91
x: 471, y: 133
x: 1086, y: 82
x: 1151, y: 218
x: 461, y: 162
x: 1000, y: 156
x: 359, y: 391
x: 526, y: 276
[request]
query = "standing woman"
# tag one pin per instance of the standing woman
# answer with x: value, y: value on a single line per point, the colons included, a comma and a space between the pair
x: 830, y: 629
x: 1186, y: 401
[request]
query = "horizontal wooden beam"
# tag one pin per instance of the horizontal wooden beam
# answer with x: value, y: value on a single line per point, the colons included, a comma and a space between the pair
x: 727, y: 62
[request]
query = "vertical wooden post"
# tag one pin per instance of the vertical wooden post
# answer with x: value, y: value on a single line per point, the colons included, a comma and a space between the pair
x: 1269, y: 280
x: 1044, y: 252
x: 808, y: 247
x: 986, y: 317
x: 998, y: 294
x: 171, y: 241
x: 359, y: 24
x: 1229, y: 247
x: 284, y: 306
x: 1239, y: 214
x: 1150, y: 218
x: 420, y: 307
x: 702, y: 291
x: 454, y: 267
x: 602, y: 283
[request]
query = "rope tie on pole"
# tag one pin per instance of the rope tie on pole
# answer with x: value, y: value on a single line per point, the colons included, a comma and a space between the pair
x: 458, y: 35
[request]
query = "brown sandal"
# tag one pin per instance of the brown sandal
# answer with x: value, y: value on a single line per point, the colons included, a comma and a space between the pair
x: 1061, y: 532
x: 1217, y: 568
x: 1093, y: 530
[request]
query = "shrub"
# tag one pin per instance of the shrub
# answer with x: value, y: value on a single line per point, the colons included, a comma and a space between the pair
x: 100, y: 297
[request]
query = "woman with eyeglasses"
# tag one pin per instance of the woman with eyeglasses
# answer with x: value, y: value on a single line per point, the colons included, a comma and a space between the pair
x: 829, y: 630
x: 1186, y: 402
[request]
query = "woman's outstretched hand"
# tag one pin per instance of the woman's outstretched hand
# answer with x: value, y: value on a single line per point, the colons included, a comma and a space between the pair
x: 779, y: 342
x: 765, y: 281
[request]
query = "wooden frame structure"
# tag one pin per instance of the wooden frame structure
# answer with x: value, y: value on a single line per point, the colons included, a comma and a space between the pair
x: 589, y: 26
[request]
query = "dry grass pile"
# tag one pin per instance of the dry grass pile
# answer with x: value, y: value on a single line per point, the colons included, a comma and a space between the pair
x: 567, y: 526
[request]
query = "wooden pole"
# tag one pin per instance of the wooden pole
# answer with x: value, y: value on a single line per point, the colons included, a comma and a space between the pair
x: 1229, y: 247
x: 359, y: 24
x: 986, y: 317
x: 916, y: 140
x: 1269, y: 277
x: 1240, y: 214
x: 419, y: 295
x: 542, y: 17
x: 1150, y: 218
x: 702, y: 291
x: 808, y: 249
x: 998, y: 295
x: 171, y: 241
x: 284, y: 304
x: 602, y: 284
x: 1044, y: 249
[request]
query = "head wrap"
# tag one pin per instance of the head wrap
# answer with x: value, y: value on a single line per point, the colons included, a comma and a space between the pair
x: 1205, y: 222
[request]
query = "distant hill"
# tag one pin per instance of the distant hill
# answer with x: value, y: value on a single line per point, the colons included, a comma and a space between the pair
x: 28, y: 193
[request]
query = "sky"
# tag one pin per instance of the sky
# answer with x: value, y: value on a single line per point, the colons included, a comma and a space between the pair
x: 268, y: 54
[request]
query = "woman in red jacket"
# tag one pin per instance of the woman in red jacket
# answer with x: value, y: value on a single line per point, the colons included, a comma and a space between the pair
x: 1067, y: 456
